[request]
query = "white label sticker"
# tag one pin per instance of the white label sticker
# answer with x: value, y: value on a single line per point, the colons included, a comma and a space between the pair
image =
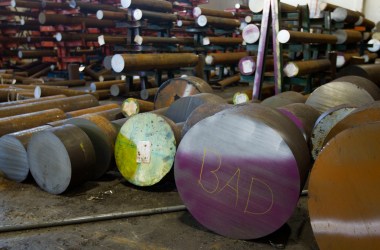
x: 247, y: 67
x: 143, y: 151
x: 242, y: 98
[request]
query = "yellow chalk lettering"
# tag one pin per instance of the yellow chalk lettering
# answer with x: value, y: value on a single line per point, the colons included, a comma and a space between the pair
x: 236, y: 187
x: 249, y: 197
x: 213, y: 172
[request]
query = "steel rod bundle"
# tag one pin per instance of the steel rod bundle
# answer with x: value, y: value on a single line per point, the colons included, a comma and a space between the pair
x: 225, y: 58
x: 123, y: 62
x: 61, y: 158
x: 352, y: 91
x: 14, y: 162
x: 66, y: 104
x: 291, y: 36
x: 300, y: 68
x: 145, y: 148
x: 227, y: 173
x: 355, y: 154
x: 20, y: 122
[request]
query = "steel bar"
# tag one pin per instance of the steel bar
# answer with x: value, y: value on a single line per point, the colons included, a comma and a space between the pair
x: 325, y: 123
x: 13, y: 103
x: 133, y: 106
x: 153, y: 16
x: 335, y: 226
x: 147, y: 93
x: 105, y: 85
x: 18, y: 13
x: 229, y: 80
x: 103, y: 136
x: 142, y: 40
x: 145, y: 148
x: 96, y: 109
x: 93, y: 8
x: 353, y: 91
x: 108, y: 39
x: 176, y: 88
x: 43, y: 72
x: 118, y: 89
x: 209, y: 40
x: 251, y: 33
x: 94, y: 218
x: 69, y: 83
x: 123, y: 62
x: 20, y: 122
x: 327, y: 7
x: 41, y: 91
x: 283, y: 99
x: 66, y: 104
x: 225, y: 58
x: 65, y: 37
x: 112, y: 15
x: 343, y: 59
x: 345, y: 15
x: 291, y: 36
x: 24, y: 54
x: 157, y: 5
x: 60, y: 158
x: 223, y: 23
x: 348, y: 36
x: 198, y: 11
x: 102, y: 94
x: 59, y: 19
x: 14, y: 164
x: 370, y: 57
x: 25, y: 4
x: 224, y: 169
x: 301, y: 68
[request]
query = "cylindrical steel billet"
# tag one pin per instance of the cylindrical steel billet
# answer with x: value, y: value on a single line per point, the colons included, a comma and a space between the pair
x: 251, y: 33
x: 65, y: 37
x: 153, y: 16
x: 14, y: 164
x: 218, y: 22
x: 157, y: 5
x: 36, y: 53
x: 185, y: 23
x: 122, y: 62
x: 30, y: 120
x: 93, y: 8
x: 365, y: 114
x: 69, y: 83
x: 57, y: 19
x: 92, y: 110
x: 145, y: 148
x: 325, y: 123
x: 209, y: 40
x: 111, y: 15
x: 181, y: 109
x: 41, y: 91
x: 337, y: 93
x: 66, y: 104
x: 176, y: 88
x: 300, y: 68
x: 348, y: 36
x: 25, y: 4
x: 146, y: 93
x: 370, y: 72
x: 118, y: 89
x: 364, y: 83
x: 336, y: 185
x: 303, y: 116
x: 225, y: 58
x: 198, y: 11
x: 60, y: 158
x: 283, y: 99
x: 202, y: 112
x: 103, y: 136
x: 227, y: 173
x: 229, y: 80
x: 13, y: 103
x: 345, y: 15
x: 163, y: 40
x: 291, y: 36
x: 345, y: 58
x: 247, y: 65
x: 102, y: 40
x: 105, y: 85
x: 133, y: 106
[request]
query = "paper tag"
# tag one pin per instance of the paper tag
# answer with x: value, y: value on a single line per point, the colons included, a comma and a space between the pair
x: 143, y: 151
x: 240, y: 98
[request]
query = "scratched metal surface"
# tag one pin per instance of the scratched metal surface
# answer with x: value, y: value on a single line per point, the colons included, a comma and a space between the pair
x: 240, y: 171
x: 344, y: 201
x: 284, y: 98
x: 324, y: 124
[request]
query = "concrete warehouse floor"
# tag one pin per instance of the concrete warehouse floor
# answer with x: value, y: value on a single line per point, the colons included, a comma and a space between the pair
x: 25, y: 204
